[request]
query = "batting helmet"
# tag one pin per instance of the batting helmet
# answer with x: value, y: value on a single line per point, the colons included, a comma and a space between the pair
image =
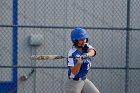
x: 78, y: 34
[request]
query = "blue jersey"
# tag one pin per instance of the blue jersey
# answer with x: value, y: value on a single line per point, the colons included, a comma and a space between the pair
x: 72, y: 61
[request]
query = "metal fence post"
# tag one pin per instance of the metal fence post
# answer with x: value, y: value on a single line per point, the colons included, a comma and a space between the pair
x: 127, y: 47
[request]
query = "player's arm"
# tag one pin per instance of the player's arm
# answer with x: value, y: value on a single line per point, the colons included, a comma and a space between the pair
x: 91, y: 52
x: 75, y: 69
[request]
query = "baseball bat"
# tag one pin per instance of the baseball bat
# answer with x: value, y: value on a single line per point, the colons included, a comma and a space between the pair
x: 50, y: 57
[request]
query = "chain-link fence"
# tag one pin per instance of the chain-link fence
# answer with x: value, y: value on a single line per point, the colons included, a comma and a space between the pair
x: 114, y: 31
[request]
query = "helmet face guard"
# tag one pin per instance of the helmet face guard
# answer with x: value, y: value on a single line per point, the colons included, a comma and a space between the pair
x: 78, y: 34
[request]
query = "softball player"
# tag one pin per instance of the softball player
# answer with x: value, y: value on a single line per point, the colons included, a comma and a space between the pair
x: 78, y: 68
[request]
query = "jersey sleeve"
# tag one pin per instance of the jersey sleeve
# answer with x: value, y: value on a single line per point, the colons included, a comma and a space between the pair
x: 70, y: 61
x: 87, y: 47
x: 90, y: 47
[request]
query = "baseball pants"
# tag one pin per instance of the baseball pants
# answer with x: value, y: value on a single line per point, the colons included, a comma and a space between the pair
x: 80, y: 86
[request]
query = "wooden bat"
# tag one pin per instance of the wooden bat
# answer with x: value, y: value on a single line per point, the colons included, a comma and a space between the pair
x: 49, y: 57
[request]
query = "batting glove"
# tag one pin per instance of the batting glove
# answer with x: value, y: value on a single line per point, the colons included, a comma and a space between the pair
x: 84, y: 56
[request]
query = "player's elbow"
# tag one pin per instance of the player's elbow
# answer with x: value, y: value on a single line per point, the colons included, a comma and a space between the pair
x: 92, y: 52
x: 74, y: 70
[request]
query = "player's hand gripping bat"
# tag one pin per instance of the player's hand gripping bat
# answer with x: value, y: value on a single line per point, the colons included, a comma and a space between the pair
x: 49, y: 57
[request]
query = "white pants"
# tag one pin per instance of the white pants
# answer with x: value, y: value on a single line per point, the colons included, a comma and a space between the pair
x: 81, y: 86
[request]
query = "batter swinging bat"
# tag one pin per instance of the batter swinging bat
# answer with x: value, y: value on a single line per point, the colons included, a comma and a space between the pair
x: 49, y: 57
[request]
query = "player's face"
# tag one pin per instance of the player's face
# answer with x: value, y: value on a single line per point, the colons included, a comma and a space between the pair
x: 82, y: 42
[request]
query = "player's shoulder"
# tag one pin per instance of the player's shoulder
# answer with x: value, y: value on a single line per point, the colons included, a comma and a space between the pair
x: 71, y: 51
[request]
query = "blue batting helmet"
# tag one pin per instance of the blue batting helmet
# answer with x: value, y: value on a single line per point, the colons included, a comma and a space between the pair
x: 78, y: 34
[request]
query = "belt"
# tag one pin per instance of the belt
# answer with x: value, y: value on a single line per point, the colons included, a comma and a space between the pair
x: 77, y: 79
